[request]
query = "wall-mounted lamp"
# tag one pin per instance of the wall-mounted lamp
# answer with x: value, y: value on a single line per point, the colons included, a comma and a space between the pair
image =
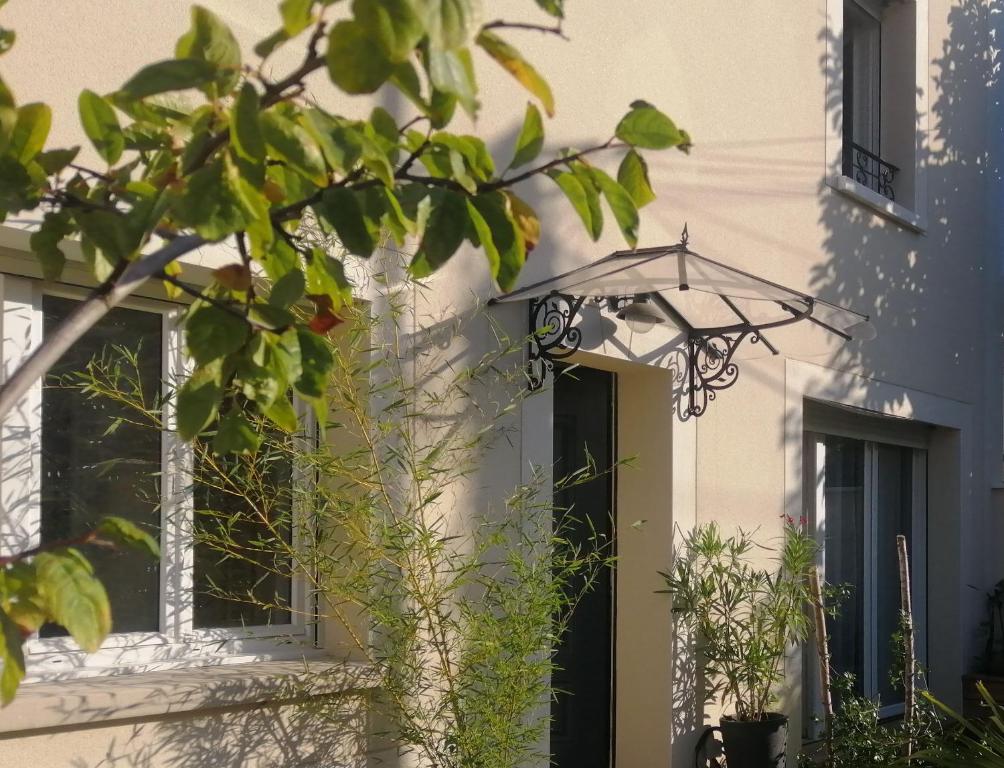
x: 640, y: 315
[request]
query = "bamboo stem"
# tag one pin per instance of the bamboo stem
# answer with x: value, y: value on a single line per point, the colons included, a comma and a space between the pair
x: 823, y: 649
x: 909, y: 650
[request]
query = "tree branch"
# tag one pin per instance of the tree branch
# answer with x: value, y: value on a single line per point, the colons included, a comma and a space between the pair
x: 502, y: 183
x: 106, y: 297
x: 499, y: 24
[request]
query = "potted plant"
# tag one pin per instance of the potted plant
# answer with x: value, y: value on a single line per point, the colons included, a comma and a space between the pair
x: 744, y: 615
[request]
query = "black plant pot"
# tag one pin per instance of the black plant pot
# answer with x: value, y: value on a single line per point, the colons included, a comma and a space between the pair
x: 755, y: 743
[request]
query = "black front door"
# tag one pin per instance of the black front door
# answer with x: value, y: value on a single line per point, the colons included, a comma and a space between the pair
x: 581, y: 710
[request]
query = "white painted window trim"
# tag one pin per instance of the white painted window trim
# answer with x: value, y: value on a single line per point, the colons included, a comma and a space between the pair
x: 912, y: 216
x: 816, y: 508
x: 176, y: 643
x: 805, y: 380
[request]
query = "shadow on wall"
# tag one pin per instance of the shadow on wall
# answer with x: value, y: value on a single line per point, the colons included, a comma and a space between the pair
x: 296, y: 728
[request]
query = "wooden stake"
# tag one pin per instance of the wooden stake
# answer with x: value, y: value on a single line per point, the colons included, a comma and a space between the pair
x: 823, y: 649
x: 909, y: 651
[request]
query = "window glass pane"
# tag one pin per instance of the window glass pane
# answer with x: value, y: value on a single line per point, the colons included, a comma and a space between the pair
x: 843, y: 542
x: 243, y: 503
x: 893, y: 516
x: 90, y: 471
x: 862, y: 72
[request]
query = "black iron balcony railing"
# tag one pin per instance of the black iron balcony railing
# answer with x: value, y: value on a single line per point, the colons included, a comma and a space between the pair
x: 869, y: 169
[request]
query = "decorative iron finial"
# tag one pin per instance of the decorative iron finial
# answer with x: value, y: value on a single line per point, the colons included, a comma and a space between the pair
x: 684, y: 236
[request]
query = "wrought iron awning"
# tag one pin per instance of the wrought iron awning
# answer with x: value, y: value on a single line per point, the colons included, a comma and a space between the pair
x: 714, y: 307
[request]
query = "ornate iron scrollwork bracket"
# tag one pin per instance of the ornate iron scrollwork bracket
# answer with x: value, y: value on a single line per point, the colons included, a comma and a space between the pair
x: 704, y: 367
x: 552, y: 336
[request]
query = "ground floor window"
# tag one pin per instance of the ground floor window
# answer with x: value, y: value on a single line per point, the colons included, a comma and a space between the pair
x: 71, y: 459
x: 862, y: 494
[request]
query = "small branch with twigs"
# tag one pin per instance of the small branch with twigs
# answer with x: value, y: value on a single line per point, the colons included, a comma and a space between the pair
x: 554, y: 30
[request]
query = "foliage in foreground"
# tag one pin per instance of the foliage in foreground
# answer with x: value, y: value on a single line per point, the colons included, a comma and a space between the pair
x: 743, y: 616
x: 206, y: 147
x: 456, y: 609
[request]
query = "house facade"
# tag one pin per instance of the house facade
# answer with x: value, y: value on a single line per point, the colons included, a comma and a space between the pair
x: 847, y: 149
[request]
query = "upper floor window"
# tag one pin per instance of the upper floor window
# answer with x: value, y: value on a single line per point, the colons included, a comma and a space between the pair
x: 877, y: 54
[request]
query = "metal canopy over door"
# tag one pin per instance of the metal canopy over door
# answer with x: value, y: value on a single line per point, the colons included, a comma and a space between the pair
x: 582, y: 709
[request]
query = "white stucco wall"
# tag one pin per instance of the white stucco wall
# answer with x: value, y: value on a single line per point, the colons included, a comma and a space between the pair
x: 748, y: 81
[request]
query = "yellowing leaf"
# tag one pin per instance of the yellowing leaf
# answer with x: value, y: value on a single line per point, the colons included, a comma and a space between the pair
x: 514, y: 63
x: 526, y: 219
x: 75, y: 598
x: 30, y: 131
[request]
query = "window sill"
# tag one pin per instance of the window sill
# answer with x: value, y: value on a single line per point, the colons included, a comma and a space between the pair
x: 882, y: 205
x: 97, y: 701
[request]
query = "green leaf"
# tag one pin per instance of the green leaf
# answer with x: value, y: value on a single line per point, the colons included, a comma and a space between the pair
x: 383, y: 130
x: 473, y: 151
x: 443, y: 234
x: 340, y: 143
x: 235, y: 434
x: 55, y: 160
x: 326, y: 277
x: 285, y: 354
x: 382, y: 205
x: 592, y: 194
x: 127, y: 534
x: 7, y: 38
x: 12, y: 654
x: 317, y: 362
x: 101, y: 126
x: 213, y: 201
x: 482, y: 236
x: 270, y: 317
x: 45, y: 241
x: 633, y: 176
x: 555, y: 8
x: 108, y: 232
x: 531, y: 138
x: 513, y: 62
x: 452, y: 72
x: 356, y: 63
x: 198, y: 401
x: 578, y: 197
x: 621, y: 205
x: 288, y: 289
x: 296, y: 16
x: 169, y: 75
x: 265, y: 48
x: 294, y: 144
x: 283, y: 415
x: 30, y: 131
x: 506, y: 237
x: 343, y: 210
x: 245, y: 124
x: 75, y: 598
x: 212, y: 333
x: 449, y: 23
x: 646, y: 127
x: 393, y: 24
x: 210, y: 40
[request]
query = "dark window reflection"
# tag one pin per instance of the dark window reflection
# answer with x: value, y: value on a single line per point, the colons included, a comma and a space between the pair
x: 243, y: 503
x: 94, y: 467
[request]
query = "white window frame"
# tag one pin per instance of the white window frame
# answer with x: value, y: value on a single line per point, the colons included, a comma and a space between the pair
x: 176, y: 643
x: 815, y: 462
